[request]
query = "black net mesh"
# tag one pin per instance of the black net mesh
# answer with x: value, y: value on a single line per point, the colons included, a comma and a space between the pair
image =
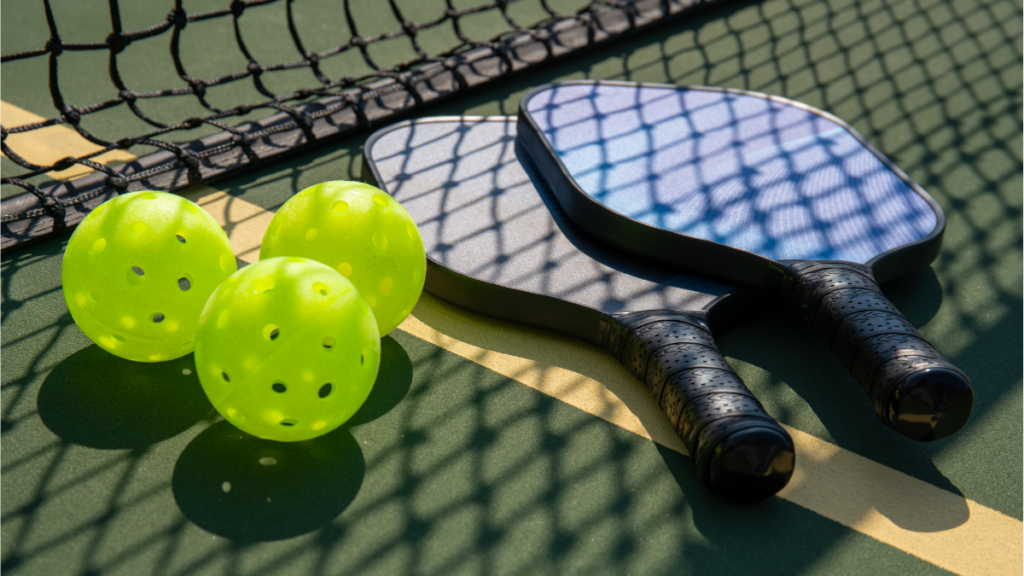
x: 277, y: 116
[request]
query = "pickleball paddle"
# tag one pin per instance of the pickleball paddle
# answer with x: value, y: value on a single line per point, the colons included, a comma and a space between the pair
x: 497, y: 243
x: 766, y: 193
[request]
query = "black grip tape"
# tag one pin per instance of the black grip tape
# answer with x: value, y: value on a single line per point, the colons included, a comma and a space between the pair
x: 880, y: 348
x: 856, y: 330
x: 892, y: 346
x: 701, y: 414
x: 675, y: 356
x: 837, y: 303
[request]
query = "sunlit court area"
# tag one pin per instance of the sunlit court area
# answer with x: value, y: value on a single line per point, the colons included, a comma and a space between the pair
x: 555, y: 309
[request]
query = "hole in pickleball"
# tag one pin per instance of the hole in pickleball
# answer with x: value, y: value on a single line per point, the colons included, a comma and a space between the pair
x: 380, y: 240
x: 328, y: 342
x: 312, y: 234
x: 263, y: 285
x: 184, y: 283
x: 295, y: 259
x: 386, y: 285
x: 289, y: 422
x: 345, y: 269
x: 180, y: 238
x: 381, y: 200
x: 279, y: 387
x: 411, y: 231
x: 191, y: 208
x: 98, y: 247
x: 135, y: 275
x: 271, y: 332
x: 325, y: 390
x: 148, y: 196
x: 340, y: 206
x: 362, y: 359
x: 400, y: 316
x: 224, y: 375
x: 119, y: 338
x: 321, y: 288
x: 138, y: 228
x: 158, y: 317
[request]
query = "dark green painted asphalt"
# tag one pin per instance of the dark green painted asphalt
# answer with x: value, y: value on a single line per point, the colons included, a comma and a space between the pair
x: 452, y: 468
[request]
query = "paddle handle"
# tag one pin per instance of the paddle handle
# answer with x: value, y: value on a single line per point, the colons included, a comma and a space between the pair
x: 914, y: 389
x: 741, y: 452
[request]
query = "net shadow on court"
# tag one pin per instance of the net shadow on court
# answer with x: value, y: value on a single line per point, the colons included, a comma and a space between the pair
x: 935, y: 85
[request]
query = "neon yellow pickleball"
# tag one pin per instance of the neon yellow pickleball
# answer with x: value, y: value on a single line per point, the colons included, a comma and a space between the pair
x: 287, y: 349
x: 138, y: 270
x: 361, y: 232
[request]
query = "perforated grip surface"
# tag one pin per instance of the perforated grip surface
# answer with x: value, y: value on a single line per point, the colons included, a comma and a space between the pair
x: 913, y: 388
x: 741, y: 452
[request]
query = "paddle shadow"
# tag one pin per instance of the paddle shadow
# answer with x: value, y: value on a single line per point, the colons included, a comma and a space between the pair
x: 251, y: 490
x: 918, y: 296
x: 99, y: 400
x: 761, y: 534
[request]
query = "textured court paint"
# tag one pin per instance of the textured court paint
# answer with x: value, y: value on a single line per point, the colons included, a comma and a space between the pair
x: 833, y: 482
x: 48, y: 145
x: 984, y: 269
x: 830, y: 481
x: 752, y: 173
x: 855, y: 491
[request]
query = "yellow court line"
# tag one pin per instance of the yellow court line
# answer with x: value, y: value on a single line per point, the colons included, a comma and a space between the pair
x: 949, y: 531
x: 48, y: 145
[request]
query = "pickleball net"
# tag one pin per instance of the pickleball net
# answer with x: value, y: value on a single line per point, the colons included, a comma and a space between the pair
x: 173, y: 155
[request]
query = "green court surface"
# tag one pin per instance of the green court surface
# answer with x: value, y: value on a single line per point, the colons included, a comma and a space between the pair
x: 489, y: 448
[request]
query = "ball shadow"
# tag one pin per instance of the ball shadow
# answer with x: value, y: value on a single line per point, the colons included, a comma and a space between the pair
x: 252, y: 490
x: 393, y: 382
x: 96, y: 399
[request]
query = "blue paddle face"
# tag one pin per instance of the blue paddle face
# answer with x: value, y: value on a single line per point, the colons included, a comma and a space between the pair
x: 760, y: 175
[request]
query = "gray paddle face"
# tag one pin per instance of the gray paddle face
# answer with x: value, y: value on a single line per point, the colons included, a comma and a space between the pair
x: 767, y: 176
x: 486, y: 215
